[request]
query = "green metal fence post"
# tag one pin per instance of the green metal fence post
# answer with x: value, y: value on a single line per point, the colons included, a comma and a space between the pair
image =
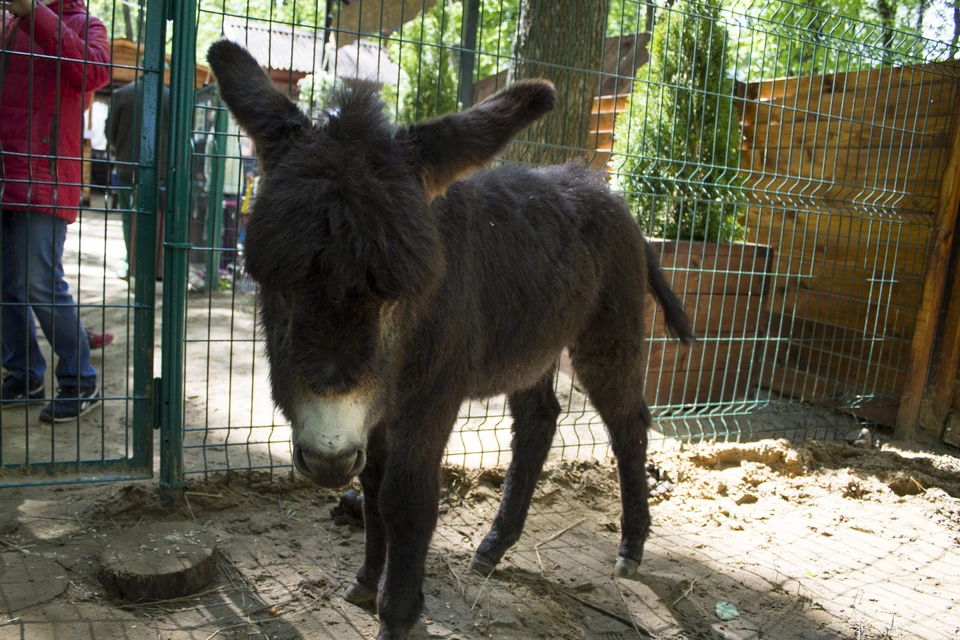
x: 215, y: 205
x: 144, y: 295
x: 176, y: 245
x: 469, y: 54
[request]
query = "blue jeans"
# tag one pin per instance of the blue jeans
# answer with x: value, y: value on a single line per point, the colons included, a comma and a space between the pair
x: 33, y: 286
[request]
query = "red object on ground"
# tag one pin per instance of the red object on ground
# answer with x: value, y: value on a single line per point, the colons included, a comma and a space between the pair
x: 99, y: 340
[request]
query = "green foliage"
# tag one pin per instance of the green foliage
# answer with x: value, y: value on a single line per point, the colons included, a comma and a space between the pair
x: 426, y: 48
x: 111, y: 14
x: 429, y: 65
x: 314, y: 88
x: 789, y: 40
x: 678, y: 148
x: 779, y: 39
x: 625, y: 17
x: 427, y: 51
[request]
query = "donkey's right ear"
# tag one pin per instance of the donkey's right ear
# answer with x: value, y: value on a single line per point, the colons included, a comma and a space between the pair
x: 268, y: 116
x: 451, y: 146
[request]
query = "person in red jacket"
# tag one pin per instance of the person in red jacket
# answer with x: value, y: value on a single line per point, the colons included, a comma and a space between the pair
x: 54, y: 56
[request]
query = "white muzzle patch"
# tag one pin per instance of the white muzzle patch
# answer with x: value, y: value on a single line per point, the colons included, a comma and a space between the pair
x: 330, y: 425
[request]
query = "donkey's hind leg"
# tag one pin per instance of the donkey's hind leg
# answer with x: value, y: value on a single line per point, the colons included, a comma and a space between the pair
x: 535, y: 413
x: 613, y: 379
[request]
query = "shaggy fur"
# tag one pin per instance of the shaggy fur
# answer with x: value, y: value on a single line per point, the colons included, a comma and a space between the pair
x: 392, y: 289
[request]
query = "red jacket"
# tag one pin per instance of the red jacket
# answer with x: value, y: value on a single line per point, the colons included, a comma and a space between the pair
x: 41, y: 119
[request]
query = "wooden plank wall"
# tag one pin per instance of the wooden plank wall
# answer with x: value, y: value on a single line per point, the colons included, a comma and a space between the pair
x: 843, y: 174
x: 723, y: 293
x: 603, y: 116
x: 125, y: 55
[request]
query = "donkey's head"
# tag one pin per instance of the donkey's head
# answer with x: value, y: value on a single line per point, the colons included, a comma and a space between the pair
x: 343, y: 243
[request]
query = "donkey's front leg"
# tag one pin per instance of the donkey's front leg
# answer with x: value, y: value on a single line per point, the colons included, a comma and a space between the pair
x: 363, y: 592
x: 409, y: 497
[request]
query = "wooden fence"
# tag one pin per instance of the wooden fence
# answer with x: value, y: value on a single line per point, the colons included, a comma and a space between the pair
x: 845, y: 175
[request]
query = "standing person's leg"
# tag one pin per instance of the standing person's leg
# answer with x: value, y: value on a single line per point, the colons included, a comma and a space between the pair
x: 22, y: 357
x: 126, y: 206
x: 229, y: 240
x: 59, y: 318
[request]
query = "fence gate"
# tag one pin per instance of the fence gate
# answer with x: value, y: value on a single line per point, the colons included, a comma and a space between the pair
x: 115, y: 440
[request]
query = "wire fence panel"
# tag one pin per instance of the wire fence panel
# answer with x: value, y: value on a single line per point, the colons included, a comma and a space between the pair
x: 784, y: 159
x: 79, y: 246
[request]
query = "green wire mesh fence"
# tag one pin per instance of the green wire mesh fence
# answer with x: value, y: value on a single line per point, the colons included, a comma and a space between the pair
x: 786, y: 158
x: 71, y: 328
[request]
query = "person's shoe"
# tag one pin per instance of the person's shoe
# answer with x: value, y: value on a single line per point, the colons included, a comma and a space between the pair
x: 71, y: 403
x: 99, y: 340
x: 16, y: 392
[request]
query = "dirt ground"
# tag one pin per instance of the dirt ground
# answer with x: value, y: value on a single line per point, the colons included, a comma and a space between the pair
x: 822, y: 540
x: 818, y: 540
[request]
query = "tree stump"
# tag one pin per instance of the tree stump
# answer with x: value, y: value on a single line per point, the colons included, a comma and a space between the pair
x: 159, y: 562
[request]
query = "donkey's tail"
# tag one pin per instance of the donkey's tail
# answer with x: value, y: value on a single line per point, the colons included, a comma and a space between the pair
x: 676, y: 317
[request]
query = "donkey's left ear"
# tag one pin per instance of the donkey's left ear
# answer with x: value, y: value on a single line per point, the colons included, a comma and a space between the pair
x: 270, y: 117
x: 452, y: 146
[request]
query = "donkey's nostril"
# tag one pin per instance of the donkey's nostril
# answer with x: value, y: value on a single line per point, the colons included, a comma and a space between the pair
x: 299, y: 461
x: 359, y: 463
x: 330, y: 469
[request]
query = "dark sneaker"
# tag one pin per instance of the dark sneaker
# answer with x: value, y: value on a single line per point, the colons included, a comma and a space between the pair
x: 71, y: 403
x: 16, y: 392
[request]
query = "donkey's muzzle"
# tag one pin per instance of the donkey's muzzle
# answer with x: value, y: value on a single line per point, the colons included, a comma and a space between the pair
x: 330, y: 470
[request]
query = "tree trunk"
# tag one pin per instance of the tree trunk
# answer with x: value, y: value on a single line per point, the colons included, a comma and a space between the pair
x: 561, y: 40
x: 368, y: 17
x: 887, y: 10
x: 921, y: 12
x: 956, y: 29
x: 127, y: 23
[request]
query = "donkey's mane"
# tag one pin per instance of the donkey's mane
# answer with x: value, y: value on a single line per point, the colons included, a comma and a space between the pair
x: 356, y: 112
x: 339, y: 211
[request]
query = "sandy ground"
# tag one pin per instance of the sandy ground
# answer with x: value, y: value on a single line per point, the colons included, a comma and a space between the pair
x: 820, y: 540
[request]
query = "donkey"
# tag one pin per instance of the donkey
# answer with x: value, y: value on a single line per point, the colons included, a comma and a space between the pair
x: 392, y: 288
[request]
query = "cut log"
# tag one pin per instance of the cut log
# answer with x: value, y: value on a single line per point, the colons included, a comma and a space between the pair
x: 159, y: 562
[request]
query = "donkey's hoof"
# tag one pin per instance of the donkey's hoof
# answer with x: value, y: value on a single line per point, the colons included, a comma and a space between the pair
x: 482, y: 565
x: 360, y: 595
x: 626, y: 568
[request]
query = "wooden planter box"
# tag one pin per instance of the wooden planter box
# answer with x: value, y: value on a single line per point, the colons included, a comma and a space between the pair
x: 725, y: 292
x: 723, y: 287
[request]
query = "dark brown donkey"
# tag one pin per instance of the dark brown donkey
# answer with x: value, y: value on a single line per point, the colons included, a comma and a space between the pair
x: 392, y: 288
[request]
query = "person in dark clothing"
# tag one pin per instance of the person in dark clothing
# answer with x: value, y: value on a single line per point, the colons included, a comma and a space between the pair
x: 123, y: 134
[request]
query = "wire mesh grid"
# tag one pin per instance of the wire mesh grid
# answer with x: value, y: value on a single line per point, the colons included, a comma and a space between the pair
x: 71, y: 328
x: 784, y: 158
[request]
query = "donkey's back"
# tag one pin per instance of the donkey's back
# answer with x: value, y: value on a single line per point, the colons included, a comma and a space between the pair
x: 532, y: 256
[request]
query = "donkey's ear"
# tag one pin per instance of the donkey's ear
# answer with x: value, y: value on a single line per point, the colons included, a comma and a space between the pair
x: 452, y: 146
x: 270, y: 117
